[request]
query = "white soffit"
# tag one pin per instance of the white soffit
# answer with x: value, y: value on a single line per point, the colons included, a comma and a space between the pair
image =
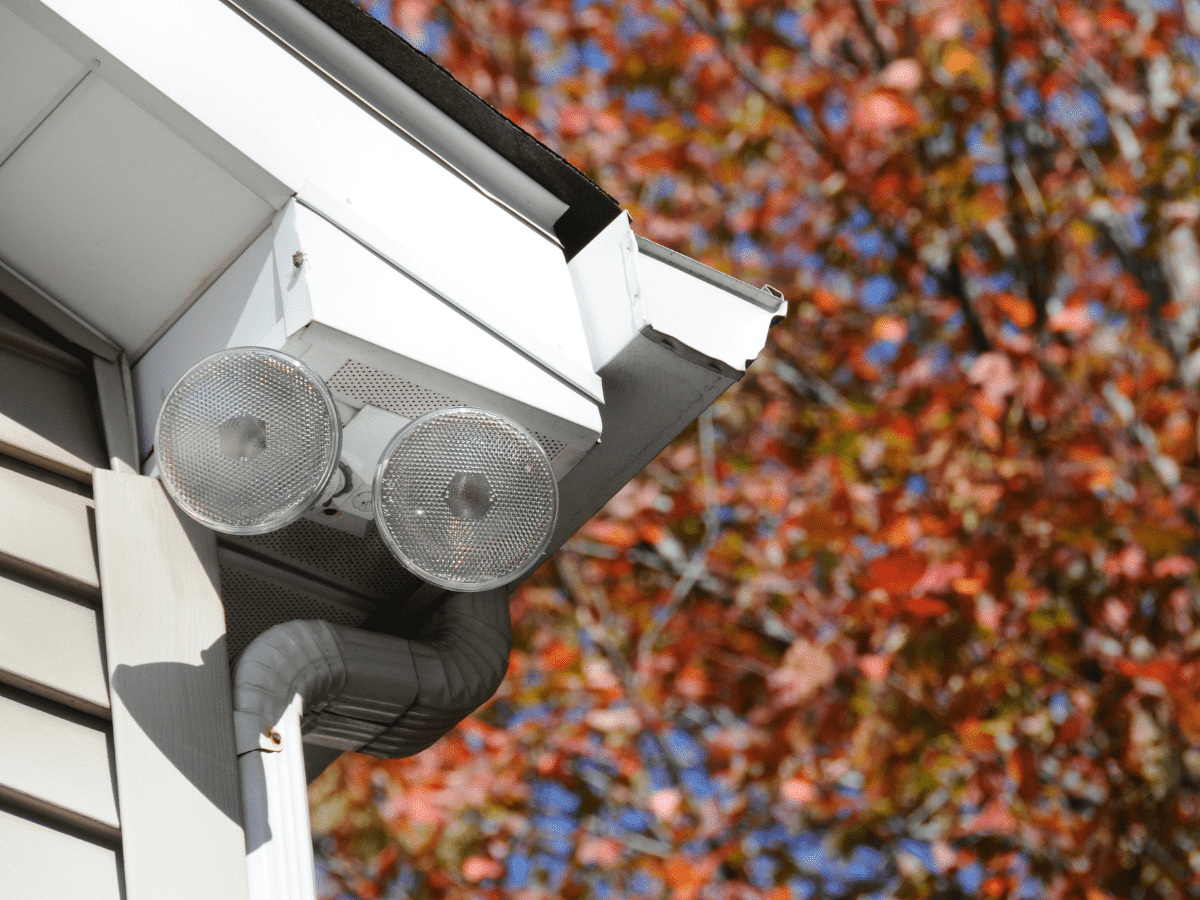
x: 252, y: 106
x: 34, y: 74
x: 115, y: 215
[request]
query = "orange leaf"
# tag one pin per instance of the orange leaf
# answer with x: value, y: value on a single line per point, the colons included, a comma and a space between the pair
x: 1118, y: 20
x: 875, y: 665
x: 897, y: 572
x: 826, y: 300
x: 1016, y: 308
x: 968, y: 586
x: 618, y: 534
x: 1163, y: 671
x: 890, y: 328
x: 557, y: 655
x: 975, y: 736
x: 1187, y: 714
x: 927, y: 607
x: 687, y: 876
x: 959, y: 60
x: 798, y: 791
x: 1178, y: 566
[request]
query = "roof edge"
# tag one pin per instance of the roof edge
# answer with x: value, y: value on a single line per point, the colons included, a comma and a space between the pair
x: 588, y: 207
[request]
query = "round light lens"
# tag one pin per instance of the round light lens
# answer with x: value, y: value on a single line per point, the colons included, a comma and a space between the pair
x: 247, y: 440
x: 466, y: 498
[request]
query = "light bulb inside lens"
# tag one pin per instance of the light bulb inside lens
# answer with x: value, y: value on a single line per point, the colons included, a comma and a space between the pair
x: 243, y: 437
x: 469, y: 495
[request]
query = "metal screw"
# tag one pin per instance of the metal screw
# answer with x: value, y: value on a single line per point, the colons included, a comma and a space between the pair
x: 275, y: 736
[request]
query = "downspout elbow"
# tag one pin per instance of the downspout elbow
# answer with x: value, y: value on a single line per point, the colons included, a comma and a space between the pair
x: 372, y: 693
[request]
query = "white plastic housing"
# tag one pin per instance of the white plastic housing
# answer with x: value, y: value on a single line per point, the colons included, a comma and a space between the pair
x: 392, y: 337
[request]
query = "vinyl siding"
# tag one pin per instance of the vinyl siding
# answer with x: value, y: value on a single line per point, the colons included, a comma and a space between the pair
x: 59, y: 812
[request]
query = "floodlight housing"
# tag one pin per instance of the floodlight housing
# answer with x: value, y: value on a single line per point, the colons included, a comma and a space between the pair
x: 248, y: 440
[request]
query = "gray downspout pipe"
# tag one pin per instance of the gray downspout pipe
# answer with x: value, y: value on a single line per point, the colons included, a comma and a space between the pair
x: 373, y: 693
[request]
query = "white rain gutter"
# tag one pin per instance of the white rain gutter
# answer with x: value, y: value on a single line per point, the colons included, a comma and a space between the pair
x: 470, y: 157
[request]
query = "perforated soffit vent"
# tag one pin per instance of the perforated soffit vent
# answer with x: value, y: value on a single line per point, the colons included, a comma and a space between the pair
x: 359, y: 384
x: 253, y: 604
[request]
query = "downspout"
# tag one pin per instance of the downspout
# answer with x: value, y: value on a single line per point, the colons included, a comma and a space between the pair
x: 314, y: 689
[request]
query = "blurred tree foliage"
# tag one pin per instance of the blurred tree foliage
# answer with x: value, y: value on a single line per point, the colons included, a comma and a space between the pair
x: 914, y: 611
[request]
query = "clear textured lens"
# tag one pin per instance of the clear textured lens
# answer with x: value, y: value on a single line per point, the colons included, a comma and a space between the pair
x: 466, y: 498
x: 247, y: 440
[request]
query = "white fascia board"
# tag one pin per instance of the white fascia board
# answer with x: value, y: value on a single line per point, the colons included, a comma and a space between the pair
x: 36, y: 75
x: 436, y: 276
x: 274, y: 123
x: 146, y: 51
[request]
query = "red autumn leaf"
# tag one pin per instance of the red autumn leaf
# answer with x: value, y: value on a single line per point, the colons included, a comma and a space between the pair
x: 911, y: 410
x: 617, y: 534
x: 926, y: 607
x: 875, y: 666
x: 1163, y: 671
x: 995, y: 818
x: 687, y: 876
x: 897, y: 572
x: 884, y: 111
x: 1174, y: 566
x: 557, y: 655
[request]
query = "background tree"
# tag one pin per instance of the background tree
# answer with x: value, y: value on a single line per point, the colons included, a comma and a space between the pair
x: 914, y: 610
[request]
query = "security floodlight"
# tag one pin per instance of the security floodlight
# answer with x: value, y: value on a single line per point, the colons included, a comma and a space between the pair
x: 466, y: 499
x: 247, y: 440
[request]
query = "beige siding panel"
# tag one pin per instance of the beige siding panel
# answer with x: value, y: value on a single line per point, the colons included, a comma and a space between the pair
x: 39, y: 862
x: 46, y: 418
x: 47, y: 531
x: 51, y: 645
x: 172, y: 707
x: 58, y: 760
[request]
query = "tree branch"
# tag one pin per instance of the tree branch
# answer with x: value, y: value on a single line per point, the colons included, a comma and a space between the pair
x: 950, y: 281
x: 865, y: 11
x: 697, y: 566
x: 1033, y: 274
x: 953, y: 283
